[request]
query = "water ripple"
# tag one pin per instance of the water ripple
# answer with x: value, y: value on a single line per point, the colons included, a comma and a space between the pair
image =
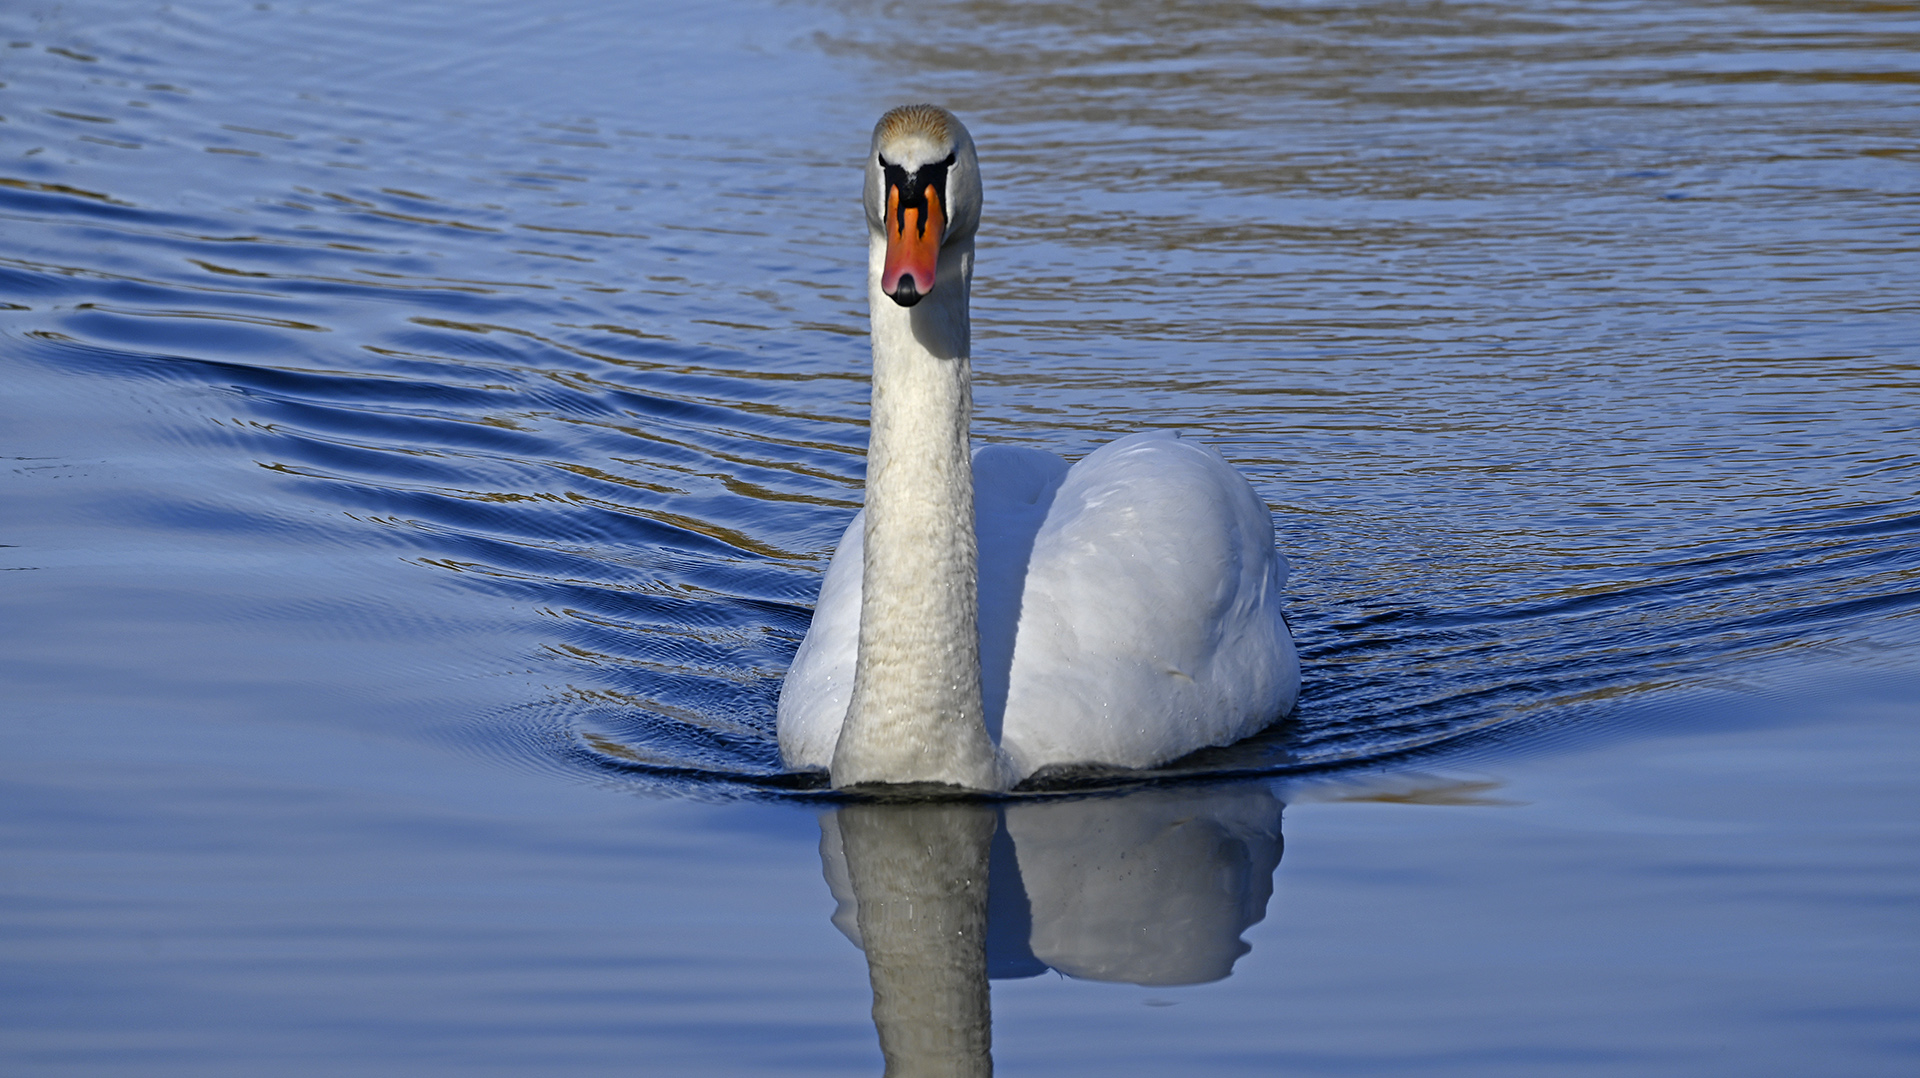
x: 1568, y: 344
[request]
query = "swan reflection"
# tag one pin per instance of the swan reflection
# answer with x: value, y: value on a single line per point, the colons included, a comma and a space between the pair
x: 1154, y: 888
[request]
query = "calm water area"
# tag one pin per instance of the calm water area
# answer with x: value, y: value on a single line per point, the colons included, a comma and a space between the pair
x: 425, y: 425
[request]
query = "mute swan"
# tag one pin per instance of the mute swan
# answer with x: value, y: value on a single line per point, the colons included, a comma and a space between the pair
x: 984, y: 618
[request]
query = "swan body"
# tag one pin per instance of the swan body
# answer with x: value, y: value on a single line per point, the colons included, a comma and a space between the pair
x: 992, y: 613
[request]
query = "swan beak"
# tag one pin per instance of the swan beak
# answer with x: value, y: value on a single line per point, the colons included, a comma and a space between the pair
x: 914, y: 231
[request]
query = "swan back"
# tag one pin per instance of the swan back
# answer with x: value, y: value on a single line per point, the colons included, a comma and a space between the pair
x: 1150, y: 623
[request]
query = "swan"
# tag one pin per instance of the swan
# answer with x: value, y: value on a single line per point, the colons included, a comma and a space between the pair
x: 993, y: 613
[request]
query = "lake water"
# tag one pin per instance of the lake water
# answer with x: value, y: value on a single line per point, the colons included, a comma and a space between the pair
x: 425, y: 426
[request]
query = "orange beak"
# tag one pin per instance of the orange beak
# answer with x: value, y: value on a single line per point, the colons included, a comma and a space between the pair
x: 913, y: 245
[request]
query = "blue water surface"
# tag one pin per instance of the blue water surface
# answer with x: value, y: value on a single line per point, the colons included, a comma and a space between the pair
x: 426, y: 424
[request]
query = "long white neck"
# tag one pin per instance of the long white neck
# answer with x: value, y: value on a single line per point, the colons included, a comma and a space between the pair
x: 916, y: 714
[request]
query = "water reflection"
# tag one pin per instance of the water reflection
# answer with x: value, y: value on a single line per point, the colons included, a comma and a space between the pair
x: 1154, y: 888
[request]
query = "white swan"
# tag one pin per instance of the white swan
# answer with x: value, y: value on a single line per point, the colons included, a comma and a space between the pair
x: 979, y: 623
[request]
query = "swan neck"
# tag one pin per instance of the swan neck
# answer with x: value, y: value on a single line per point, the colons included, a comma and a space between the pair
x: 916, y: 714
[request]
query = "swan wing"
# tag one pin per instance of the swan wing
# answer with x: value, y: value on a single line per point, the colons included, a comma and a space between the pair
x: 819, y: 684
x: 1150, y: 622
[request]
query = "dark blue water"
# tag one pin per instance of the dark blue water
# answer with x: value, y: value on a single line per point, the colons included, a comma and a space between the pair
x: 426, y: 424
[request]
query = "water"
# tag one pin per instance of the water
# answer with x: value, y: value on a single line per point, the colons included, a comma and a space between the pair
x: 427, y: 425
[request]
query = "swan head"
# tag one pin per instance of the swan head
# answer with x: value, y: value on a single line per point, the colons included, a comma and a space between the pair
x: 923, y: 193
